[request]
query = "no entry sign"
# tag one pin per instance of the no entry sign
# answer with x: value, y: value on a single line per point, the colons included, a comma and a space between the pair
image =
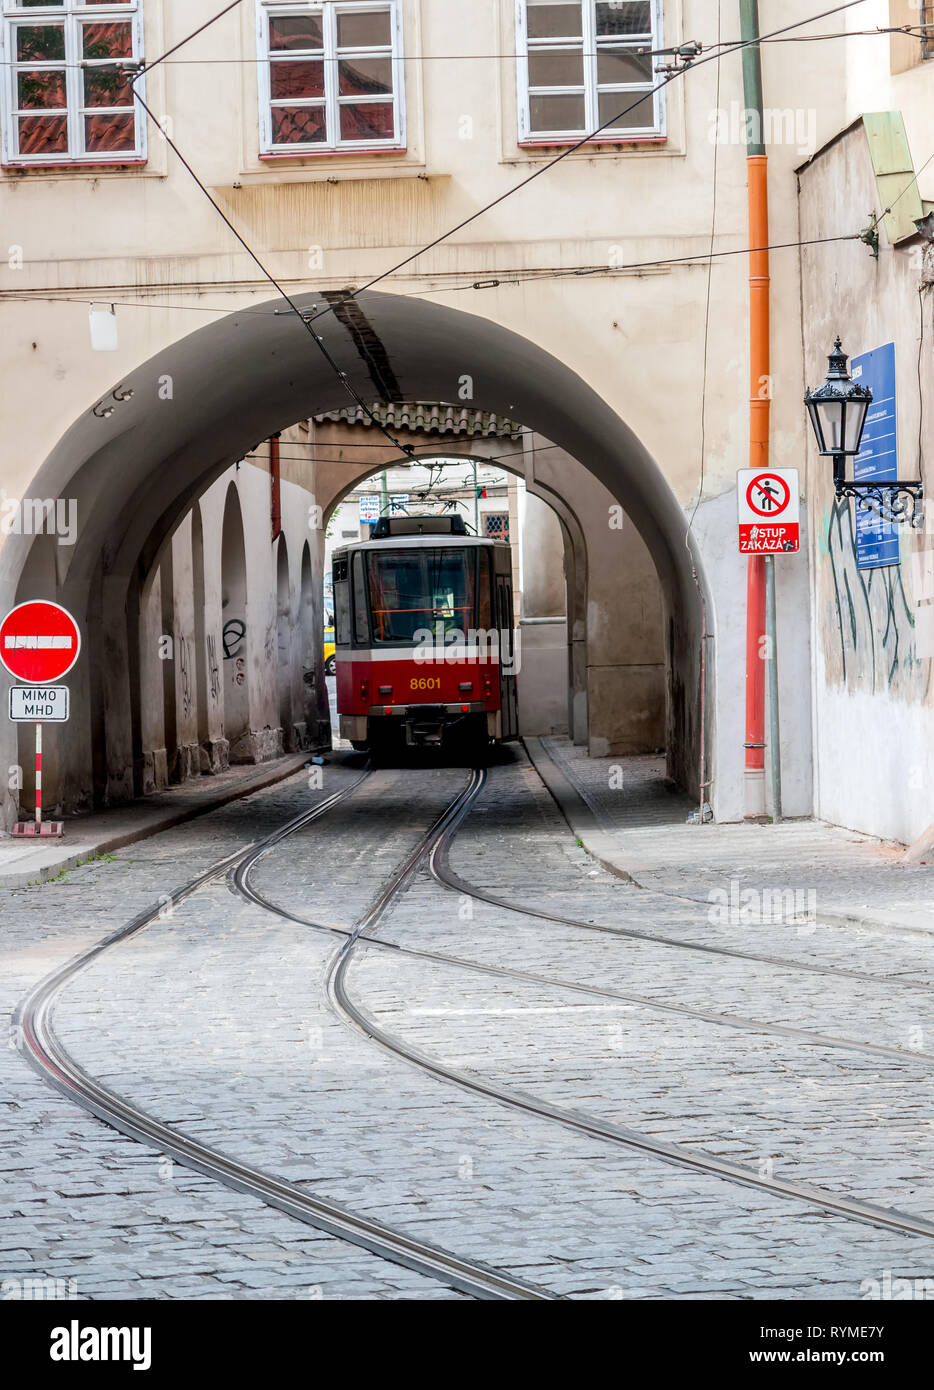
x: 769, y: 511
x: 39, y: 642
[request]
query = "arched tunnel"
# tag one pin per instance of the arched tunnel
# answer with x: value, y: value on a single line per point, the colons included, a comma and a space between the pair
x: 183, y: 417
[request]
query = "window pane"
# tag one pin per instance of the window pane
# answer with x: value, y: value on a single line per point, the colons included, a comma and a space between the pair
x: 107, y: 87
x: 43, y: 134
x: 365, y: 76
x: 46, y: 4
x: 107, y: 40
x: 106, y: 134
x: 342, y: 611
x: 622, y: 65
x: 556, y: 67
x: 558, y: 113
x: 38, y: 89
x: 373, y: 121
x: 550, y: 21
x: 295, y: 31
x: 40, y: 43
x: 623, y: 17
x: 298, y: 125
x: 297, y: 79
x: 612, y: 103
x: 364, y: 30
x: 411, y: 591
x: 361, y: 622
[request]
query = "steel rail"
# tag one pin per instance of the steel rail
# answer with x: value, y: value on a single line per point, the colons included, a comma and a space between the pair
x: 675, y: 1154
x: 443, y: 873
x: 36, y: 1038
x: 241, y: 878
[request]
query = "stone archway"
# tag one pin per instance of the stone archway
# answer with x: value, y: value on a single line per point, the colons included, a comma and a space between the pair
x: 241, y: 379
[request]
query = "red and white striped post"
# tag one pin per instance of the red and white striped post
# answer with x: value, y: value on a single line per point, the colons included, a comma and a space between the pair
x: 38, y: 778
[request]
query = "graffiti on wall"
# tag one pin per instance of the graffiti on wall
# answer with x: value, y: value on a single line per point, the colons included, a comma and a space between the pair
x: 232, y: 637
x: 214, y: 675
x: 183, y: 646
x: 868, y: 619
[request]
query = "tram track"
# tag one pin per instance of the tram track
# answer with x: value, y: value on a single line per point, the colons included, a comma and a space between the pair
x: 48, y: 1056
x: 444, y: 874
x: 439, y: 838
x: 242, y: 882
x: 37, y: 1040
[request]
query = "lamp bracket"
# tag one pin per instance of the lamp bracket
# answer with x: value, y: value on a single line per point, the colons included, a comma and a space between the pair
x: 892, y: 501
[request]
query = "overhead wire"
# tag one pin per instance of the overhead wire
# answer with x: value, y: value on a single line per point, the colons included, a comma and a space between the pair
x: 707, y: 305
x: 110, y: 293
x: 691, y: 66
x: 918, y: 31
x: 722, y: 49
x: 303, y: 318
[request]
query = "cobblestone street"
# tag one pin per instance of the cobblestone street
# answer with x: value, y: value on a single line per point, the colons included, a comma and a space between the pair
x: 801, y: 1052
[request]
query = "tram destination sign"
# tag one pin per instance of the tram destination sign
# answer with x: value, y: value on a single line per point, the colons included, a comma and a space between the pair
x: 769, y: 511
x: 39, y: 704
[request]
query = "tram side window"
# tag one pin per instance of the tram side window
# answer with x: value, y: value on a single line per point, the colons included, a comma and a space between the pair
x: 341, y: 604
x: 485, y: 591
x: 361, y: 618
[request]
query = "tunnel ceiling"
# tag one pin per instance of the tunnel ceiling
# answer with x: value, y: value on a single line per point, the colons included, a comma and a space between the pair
x: 242, y: 378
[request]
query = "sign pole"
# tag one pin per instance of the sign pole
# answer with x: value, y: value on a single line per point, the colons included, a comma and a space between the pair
x: 38, y: 778
x: 39, y: 644
x: 771, y: 632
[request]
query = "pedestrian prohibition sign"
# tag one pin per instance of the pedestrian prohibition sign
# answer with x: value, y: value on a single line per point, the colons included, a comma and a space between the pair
x: 769, y: 511
x: 39, y: 642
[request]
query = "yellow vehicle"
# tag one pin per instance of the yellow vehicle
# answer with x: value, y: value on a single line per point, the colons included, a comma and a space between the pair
x: 330, y: 662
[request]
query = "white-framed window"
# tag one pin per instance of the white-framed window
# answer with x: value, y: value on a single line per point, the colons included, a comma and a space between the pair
x: 66, y: 98
x: 331, y: 76
x: 582, y: 63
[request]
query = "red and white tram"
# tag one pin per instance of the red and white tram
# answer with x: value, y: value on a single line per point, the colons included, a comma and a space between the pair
x: 423, y: 629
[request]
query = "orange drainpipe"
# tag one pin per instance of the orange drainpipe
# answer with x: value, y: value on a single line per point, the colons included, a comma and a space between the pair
x: 760, y: 402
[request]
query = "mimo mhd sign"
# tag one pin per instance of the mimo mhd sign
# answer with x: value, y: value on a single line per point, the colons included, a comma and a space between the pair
x: 33, y: 704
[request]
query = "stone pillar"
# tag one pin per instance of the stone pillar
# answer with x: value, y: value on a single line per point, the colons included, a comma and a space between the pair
x: 114, y: 658
x: 215, y: 748
x: 154, y: 772
x: 543, y: 630
x: 184, y: 665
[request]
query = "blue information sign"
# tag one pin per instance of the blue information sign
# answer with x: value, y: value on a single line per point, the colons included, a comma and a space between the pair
x: 877, y: 541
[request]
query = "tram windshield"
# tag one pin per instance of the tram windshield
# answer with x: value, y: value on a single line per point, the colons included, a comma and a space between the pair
x: 415, y: 590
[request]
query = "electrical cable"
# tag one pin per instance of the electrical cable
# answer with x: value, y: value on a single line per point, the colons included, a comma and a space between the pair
x: 713, y: 234
x: 913, y: 31
x: 304, y: 319
x: 697, y: 259
x: 108, y: 293
x: 572, y: 149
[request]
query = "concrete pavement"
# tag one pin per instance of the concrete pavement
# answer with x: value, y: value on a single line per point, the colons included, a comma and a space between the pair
x: 634, y: 823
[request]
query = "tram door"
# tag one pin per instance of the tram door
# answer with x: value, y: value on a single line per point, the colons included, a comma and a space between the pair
x: 507, y: 653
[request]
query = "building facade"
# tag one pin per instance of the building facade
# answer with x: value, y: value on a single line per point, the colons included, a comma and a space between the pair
x: 148, y: 349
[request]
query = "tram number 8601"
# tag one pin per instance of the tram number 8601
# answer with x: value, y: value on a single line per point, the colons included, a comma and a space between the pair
x: 425, y: 683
